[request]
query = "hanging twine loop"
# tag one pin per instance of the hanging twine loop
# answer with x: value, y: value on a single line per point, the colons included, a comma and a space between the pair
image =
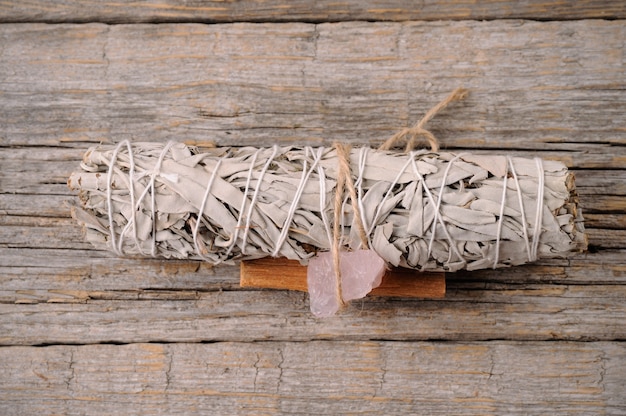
x: 412, y: 134
x: 344, y: 178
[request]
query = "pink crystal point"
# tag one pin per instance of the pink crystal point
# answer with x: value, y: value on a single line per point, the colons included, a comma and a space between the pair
x: 361, y: 271
x: 322, y: 286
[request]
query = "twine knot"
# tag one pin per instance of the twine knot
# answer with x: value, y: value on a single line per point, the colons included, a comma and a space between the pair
x: 411, y: 134
x: 344, y: 180
x: 344, y: 177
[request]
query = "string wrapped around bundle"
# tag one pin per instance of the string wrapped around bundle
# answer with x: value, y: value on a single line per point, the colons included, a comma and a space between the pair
x: 424, y: 210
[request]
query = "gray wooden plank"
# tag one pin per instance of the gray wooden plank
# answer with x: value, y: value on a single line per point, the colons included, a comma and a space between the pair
x: 316, y: 378
x: 74, y: 269
x: 473, y: 311
x: 92, y: 274
x: 23, y: 270
x: 553, y: 86
x: 311, y: 11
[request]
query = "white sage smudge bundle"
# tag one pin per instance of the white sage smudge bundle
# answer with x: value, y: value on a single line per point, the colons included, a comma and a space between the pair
x: 423, y: 210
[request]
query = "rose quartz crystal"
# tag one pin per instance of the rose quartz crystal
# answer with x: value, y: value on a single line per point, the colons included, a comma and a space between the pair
x: 361, y: 271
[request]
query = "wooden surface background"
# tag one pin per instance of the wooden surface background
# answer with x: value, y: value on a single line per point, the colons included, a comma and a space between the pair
x: 84, y: 332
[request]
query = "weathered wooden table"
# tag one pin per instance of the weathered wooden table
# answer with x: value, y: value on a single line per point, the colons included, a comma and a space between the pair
x: 84, y: 332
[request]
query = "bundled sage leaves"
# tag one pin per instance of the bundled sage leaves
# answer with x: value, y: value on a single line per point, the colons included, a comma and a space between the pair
x: 421, y: 210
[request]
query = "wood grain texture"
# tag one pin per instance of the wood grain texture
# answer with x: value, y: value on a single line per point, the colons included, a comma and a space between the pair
x: 544, y: 338
x: 316, y: 377
x: 550, y: 86
x: 476, y: 312
x: 180, y: 11
x: 49, y: 299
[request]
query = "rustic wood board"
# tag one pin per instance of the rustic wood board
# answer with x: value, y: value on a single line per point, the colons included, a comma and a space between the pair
x: 544, y: 338
x: 323, y: 377
x: 550, y: 86
x: 477, y: 311
x: 298, y: 10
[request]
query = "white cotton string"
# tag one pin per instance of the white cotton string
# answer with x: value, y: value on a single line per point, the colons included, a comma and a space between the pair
x: 342, y: 222
x: 255, y: 197
x: 117, y: 247
x: 201, y: 210
x: 153, y: 173
x: 389, y: 190
x: 363, y: 151
x: 539, y: 213
x: 110, y: 199
x: 283, y: 233
x: 500, y: 220
x: 243, y: 204
x: 306, y: 173
x: 439, y: 199
x: 520, y: 200
x: 322, y: 178
x: 131, y: 187
x: 432, y: 202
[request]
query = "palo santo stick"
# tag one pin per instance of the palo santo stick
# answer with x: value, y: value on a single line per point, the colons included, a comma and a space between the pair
x: 280, y: 273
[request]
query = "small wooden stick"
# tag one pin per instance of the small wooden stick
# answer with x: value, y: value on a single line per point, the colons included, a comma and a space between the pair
x: 279, y: 273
